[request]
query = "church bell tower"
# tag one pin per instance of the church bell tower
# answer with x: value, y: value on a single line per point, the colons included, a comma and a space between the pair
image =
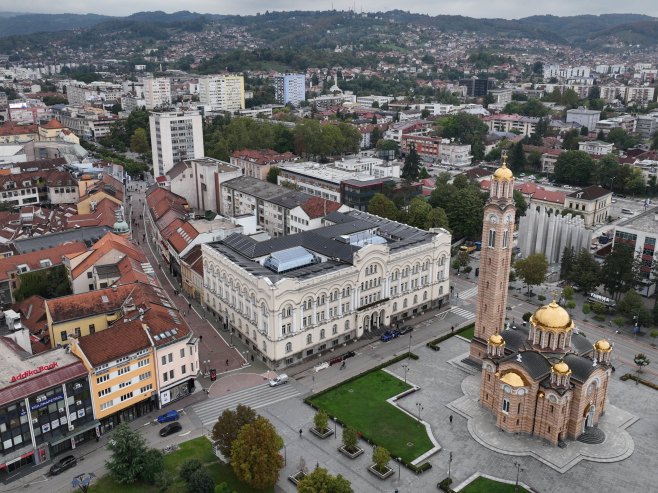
x: 495, y: 260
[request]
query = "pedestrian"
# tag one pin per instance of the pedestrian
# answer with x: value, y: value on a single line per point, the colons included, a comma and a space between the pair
x: 452, y: 329
x: 226, y: 362
x: 252, y: 358
x: 200, y: 338
x: 300, y: 433
x: 189, y: 306
x: 450, y: 418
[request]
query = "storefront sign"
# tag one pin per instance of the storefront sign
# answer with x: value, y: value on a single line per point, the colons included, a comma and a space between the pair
x: 46, y: 402
x: 165, y: 397
x: 36, y: 371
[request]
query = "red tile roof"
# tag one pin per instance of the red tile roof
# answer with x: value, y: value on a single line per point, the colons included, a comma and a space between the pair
x: 160, y: 201
x: 263, y: 156
x: 549, y: 196
x: 11, y: 128
x: 53, y: 124
x: 121, y: 339
x: 316, y: 207
x: 33, y: 259
x: 109, y: 242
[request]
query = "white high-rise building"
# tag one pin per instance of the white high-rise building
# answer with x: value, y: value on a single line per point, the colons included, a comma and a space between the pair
x: 290, y: 88
x: 157, y: 92
x: 222, y: 92
x: 175, y: 136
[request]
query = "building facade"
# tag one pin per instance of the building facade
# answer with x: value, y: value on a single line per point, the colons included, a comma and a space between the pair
x: 157, y: 92
x: 175, y: 137
x: 290, y: 88
x: 222, y: 92
x: 292, y: 298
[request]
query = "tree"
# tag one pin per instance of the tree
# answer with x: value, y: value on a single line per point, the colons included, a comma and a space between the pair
x: 321, y: 420
x: 654, y: 141
x: 131, y: 459
x: 255, y: 457
x: 381, y: 458
x: 641, y: 360
x: 620, y: 138
x: 139, y: 142
x: 606, y: 171
x: 229, y: 425
x: 411, y: 168
x: 584, y: 131
x: 320, y: 481
x: 532, y: 269
x: 418, y: 213
x: 201, y: 482
x: 618, y: 273
x: 438, y: 219
x: 477, y: 147
x: 189, y: 467
x: 571, y: 139
x: 423, y: 173
x: 574, y: 167
x: 461, y: 126
x: 630, y: 304
x: 48, y: 283
x: 566, y: 266
x: 463, y: 258
x: 520, y: 204
x: 273, y: 175
x: 586, y: 271
x: 380, y: 205
x: 350, y: 438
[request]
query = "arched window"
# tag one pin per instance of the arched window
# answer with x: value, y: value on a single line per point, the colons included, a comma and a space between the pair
x: 404, y: 303
x: 425, y: 296
x: 347, y: 325
x: 440, y: 289
x: 505, y: 239
x: 289, y: 347
x: 492, y: 238
x: 334, y: 329
x: 264, y: 346
x: 395, y: 306
x: 309, y: 339
x: 322, y: 334
x: 415, y: 299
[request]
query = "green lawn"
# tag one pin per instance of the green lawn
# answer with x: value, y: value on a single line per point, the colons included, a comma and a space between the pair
x: 198, y: 448
x: 468, y: 333
x: 362, y: 404
x: 484, y: 485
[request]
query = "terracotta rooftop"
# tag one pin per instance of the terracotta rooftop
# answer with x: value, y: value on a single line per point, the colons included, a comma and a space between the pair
x: 549, y: 196
x: 160, y: 201
x: 592, y: 192
x: 11, y: 128
x: 109, y: 242
x: 33, y: 259
x: 53, y: 124
x: 33, y: 316
x: 104, y: 215
x: 263, y: 156
x: 318, y: 207
x: 194, y: 258
x: 121, y: 339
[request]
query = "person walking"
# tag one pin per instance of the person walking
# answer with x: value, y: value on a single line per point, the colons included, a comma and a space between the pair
x: 450, y: 418
x: 300, y: 433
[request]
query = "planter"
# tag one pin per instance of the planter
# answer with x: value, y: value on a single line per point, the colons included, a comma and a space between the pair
x: 324, y: 435
x: 381, y: 475
x: 297, y: 477
x: 351, y: 455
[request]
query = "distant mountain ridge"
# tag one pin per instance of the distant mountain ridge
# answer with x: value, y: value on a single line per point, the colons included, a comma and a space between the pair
x: 284, y: 28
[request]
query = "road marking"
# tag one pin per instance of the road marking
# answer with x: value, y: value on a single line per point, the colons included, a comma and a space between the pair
x: 184, y: 434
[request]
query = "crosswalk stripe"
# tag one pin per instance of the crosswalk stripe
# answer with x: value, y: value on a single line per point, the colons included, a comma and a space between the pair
x: 469, y: 293
x: 254, y: 397
x: 462, y: 313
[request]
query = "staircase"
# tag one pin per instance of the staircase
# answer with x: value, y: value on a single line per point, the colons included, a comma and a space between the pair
x: 592, y: 435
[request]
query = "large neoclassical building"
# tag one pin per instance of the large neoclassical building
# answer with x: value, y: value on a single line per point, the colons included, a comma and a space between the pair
x: 544, y: 379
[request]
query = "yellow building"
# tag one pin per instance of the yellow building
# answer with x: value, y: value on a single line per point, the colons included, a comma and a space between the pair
x: 84, y: 314
x: 122, y: 372
x: 107, y: 187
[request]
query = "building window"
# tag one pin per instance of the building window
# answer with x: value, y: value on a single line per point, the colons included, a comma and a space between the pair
x: 182, y: 353
x: 106, y: 405
x: 505, y: 239
x: 322, y: 334
x: 164, y: 359
x: 143, y: 363
x: 171, y: 357
x: 103, y: 378
x: 492, y: 238
x: 63, y: 335
x: 144, y: 376
x: 104, y: 392
x: 309, y: 339
x: 171, y: 374
x: 92, y: 329
x: 127, y: 396
x: 183, y: 369
x: 334, y: 329
x: 165, y: 376
x: 289, y: 347
x: 505, y: 406
x: 146, y: 388
x: 123, y: 370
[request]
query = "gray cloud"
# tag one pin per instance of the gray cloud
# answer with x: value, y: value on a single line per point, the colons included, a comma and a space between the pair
x: 509, y: 9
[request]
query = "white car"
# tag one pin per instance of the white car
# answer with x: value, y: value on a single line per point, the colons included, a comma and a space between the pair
x: 280, y: 380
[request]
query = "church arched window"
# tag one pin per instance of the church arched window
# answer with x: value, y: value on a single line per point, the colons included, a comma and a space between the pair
x: 492, y: 238
x: 505, y: 239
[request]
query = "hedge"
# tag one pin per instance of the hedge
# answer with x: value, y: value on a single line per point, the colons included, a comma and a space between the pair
x: 629, y: 376
x: 444, y: 485
x: 434, y: 344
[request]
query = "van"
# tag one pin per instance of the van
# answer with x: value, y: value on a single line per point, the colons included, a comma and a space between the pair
x: 280, y: 380
x: 627, y: 211
x: 597, y: 298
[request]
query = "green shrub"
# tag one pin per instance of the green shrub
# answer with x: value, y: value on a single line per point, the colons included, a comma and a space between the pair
x: 571, y: 304
x: 599, y: 308
x: 526, y: 316
x: 541, y: 297
x: 201, y: 482
x: 567, y: 292
x: 320, y: 420
x: 444, y: 485
x: 599, y: 318
x: 586, y: 308
x: 188, y: 468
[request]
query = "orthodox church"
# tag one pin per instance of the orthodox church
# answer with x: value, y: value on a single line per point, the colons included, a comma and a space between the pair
x: 544, y: 379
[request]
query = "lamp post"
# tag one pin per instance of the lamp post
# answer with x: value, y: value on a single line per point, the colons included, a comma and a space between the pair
x: 612, y: 181
x: 406, y: 369
x: 285, y: 455
x: 449, y: 463
x: 83, y: 481
x: 518, y: 472
x: 420, y: 407
x: 399, y: 462
x: 335, y: 420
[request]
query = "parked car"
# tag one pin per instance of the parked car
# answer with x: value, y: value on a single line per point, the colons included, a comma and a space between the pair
x: 280, y: 380
x: 405, y: 330
x: 168, y: 416
x: 63, y: 464
x: 389, y: 334
x: 174, y: 427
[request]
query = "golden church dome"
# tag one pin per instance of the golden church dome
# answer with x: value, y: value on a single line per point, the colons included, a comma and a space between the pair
x: 561, y: 368
x: 552, y: 317
x: 603, y: 345
x: 503, y: 173
x: 512, y: 378
x: 496, y: 340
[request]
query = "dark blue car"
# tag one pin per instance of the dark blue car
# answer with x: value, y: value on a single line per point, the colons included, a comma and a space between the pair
x: 389, y: 334
x: 168, y: 416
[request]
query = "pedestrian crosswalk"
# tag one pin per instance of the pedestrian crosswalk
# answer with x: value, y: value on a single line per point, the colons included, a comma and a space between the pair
x: 254, y: 397
x: 462, y: 313
x: 469, y: 293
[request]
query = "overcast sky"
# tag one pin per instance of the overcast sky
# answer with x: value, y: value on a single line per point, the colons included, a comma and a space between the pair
x: 510, y: 9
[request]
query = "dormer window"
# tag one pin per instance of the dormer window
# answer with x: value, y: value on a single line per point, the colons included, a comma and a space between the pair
x: 22, y: 268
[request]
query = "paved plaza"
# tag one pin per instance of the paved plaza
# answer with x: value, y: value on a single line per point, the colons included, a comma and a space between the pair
x: 442, y: 383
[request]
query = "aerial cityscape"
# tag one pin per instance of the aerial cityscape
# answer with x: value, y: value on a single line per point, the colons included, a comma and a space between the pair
x: 258, y: 248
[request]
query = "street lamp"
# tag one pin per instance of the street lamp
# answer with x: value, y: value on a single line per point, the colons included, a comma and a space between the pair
x: 420, y: 407
x: 518, y: 471
x: 399, y: 462
x: 83, y: 481
x: 206, y: 363
x: 612, y: 182
x: 406, y: 369
x: 335, y: 435
x: 449, y: 463
x: 285, y: 455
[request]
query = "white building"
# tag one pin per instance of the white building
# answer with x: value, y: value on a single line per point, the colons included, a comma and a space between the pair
x: 81, y: 94
x: 582, y: 116
x: 595, y: 147
x: 376, y: 167
x: 157, y: 92
x: 321, y: 289
x: 290, y: 88
x: 175, y: 136
x: 222, y: 92
x: 501, y: 96
x: 199, y: 181
x: 453, y: 154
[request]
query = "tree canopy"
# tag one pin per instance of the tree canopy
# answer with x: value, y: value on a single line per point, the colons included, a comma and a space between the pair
x: 228, y: 425
x: 48, y: 283
x: 462, y: 127
x: 574, y: 167
x: 532, y: 269
x: 380, y: 205
x: 411, y: 168
x: 131, y: 460
x: 618, y: 273
x: 320, y: 481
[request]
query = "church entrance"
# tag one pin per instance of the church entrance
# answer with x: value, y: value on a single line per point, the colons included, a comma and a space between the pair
x: 589, y: 417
